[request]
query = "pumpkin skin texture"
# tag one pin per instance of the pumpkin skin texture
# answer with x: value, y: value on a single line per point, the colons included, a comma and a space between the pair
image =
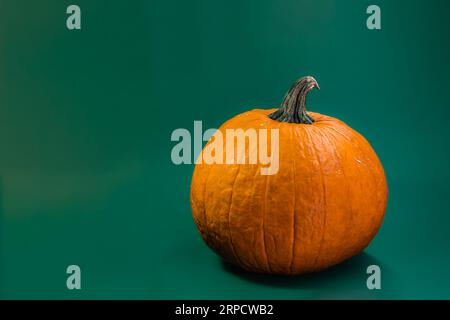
x: 324, y: 205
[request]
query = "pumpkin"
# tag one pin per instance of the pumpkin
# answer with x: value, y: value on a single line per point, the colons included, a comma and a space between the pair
x: 324, y: 205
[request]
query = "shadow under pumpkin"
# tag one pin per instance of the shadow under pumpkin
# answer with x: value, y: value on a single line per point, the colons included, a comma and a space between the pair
x: 350, y: 273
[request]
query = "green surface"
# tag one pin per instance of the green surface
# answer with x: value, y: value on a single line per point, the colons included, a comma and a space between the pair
x: 86, y: 117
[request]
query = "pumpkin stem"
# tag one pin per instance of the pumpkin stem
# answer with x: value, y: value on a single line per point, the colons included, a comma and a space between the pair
x: 293, y: 108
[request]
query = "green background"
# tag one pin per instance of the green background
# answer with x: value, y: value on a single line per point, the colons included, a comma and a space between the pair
x: 86, y: 117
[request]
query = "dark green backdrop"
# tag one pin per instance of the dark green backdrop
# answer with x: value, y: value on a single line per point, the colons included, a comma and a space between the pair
x: 86, y: 117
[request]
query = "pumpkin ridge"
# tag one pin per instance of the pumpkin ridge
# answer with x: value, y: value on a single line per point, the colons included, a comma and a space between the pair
x: 294, y: 214
x: 229, y: 217
x: 324, y: 197
x: 324, y: 134
x: 256, y: 260
x: 338, y: 155
x: 231, y: 204
x: 333, y: 141
x: 266, y: 182
x: 297, y: 134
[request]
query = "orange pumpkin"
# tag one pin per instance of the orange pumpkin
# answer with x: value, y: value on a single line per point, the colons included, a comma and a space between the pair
x: 324, y: 205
